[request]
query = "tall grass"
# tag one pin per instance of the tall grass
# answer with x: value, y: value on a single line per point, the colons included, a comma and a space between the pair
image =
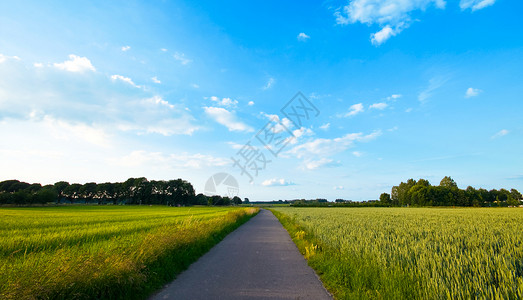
x: 104, y: 252
x: 421, y: 253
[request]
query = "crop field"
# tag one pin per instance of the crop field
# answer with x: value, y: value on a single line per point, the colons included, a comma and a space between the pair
x: 86, y: 252
x: 412, y: 253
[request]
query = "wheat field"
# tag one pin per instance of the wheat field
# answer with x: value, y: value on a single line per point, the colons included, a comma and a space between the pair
x: 414, y: 253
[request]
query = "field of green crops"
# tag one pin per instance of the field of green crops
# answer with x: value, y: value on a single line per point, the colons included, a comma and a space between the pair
x: 412, y: 253
x: 86, y: 252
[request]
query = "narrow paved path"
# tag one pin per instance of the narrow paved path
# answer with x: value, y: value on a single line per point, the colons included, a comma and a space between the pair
x: 257, y: 261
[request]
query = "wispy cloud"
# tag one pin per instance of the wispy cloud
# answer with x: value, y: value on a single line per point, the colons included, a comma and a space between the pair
x: 313, y: 164
x: 124, y: 79
x: 156, y: 80
x: 227, y: 102
x: 327, y: 147
x: 227, y: 119
x: 76, y: 64
x: 338, y: 187
x: 325, y: 126
x: 392, y: 16
x: 500, y: 133
x: 4, y: 58
x: 393, y: 97
x: 251, y: 103
x: 354, y: 110
x: 269, y: 84
x: 181, y: 58
x: 474, y: 5
x: 183, y: 160
x: 472, y: 92
x: 379, y: 106
x: 277, y: 182
x: 125, y: 48
x: 303, y: 37
x: 434, y: 84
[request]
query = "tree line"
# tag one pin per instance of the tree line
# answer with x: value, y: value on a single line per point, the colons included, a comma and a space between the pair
x: 447, y: 193
x: 177, y: 192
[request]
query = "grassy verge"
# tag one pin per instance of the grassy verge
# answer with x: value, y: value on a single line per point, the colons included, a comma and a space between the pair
x: 107, y: 257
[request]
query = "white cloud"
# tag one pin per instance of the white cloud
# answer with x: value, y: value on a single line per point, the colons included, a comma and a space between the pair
x: 393, y: 97
x: 312, y: 164
x: 235, y: 145
x: 277, y: 182
x: 181, y: 58
x: 392, y: 15
x: 227, y: 102
x: 163, y: 50
x: 383, y: 35
x: 155, y: 79
x: 158, y: 101
x: 472, y: 92
x: 3, y: 58
x: 326, y: 147
x: 269, y: 84
x: 408, y: 110
x: 70, y: 131
x: 475, y: 4
x: 183, y: 160
x: 303, y: 37
x: 194, y: 85
x: 251, y: 103
x: 338, y: 187
x: 125, y: 48
x: 124, y: 79
x: 227, y: 119
x: 357, y: 153
x: 76, y: 64
x: 380, y: 106
x: 354, y: 110
x: 38, y: 65
x: 500, y: 133
x: 325, y: 126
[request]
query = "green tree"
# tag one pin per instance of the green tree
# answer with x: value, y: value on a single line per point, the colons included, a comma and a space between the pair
x: 385, y: 199
x: 447, y: 181
x: 60, y: 187
x: 236, y: 200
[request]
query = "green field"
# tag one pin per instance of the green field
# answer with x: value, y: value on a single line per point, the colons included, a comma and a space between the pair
x: 106, y: 252
x: 412, y: 253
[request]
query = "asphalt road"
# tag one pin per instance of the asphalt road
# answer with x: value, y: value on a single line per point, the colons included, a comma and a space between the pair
x: 257, y: 261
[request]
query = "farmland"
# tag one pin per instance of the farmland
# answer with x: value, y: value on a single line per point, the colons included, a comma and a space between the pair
x: 416, y: 253
x: 104, y: 252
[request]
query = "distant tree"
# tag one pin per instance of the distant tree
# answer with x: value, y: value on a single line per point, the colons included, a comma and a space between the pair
x: 60, y: 187
x: 515, y: 194
x: 72, y: 192
x: 384, y: 198
x: 88, y: 191
x: 201, y: 199
x: 44, y: 196
x: 236, y: 200
x: 423, y: 182
x: 246, y: 201
x: 448, y: 182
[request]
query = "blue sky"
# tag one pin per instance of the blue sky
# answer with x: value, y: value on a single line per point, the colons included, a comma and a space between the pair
x: 107, y: 90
